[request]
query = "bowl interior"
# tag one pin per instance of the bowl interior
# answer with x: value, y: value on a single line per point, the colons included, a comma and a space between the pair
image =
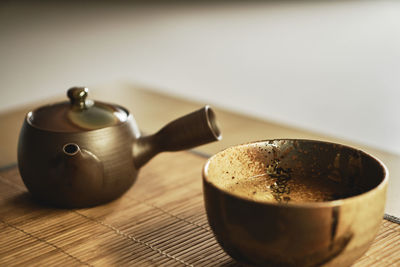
x: 294, y: 171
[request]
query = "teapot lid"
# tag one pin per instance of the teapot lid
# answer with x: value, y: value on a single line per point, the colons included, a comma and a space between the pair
x: 77, y: 115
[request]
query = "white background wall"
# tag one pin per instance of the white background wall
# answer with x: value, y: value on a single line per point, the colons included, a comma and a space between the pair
x: 333, y: 67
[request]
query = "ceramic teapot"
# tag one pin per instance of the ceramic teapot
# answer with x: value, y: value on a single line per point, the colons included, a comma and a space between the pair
x: 81, y: 153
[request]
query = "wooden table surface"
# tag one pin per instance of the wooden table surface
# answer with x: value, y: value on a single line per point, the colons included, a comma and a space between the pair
x: 152, y: 110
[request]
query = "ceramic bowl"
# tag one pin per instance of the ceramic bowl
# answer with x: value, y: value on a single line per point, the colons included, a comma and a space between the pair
x: 258, y: 221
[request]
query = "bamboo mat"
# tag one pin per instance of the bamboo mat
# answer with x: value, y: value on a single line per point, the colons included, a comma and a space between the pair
x: 160, y: 221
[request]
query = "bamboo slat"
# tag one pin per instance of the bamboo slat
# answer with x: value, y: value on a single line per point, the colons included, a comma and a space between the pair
x: 160, y: 221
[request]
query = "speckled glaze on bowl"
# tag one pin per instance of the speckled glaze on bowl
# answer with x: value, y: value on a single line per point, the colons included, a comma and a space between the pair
x: 268, y: 233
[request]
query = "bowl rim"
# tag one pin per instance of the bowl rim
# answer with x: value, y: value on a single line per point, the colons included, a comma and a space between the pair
x: 322, y: 204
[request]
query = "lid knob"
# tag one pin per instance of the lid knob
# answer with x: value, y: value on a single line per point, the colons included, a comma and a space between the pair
x: 77, y: 97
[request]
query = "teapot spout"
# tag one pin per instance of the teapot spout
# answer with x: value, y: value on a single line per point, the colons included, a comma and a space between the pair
x: 71, y: 151
x: 194, y: 129
x: 76, y: 177
x: 77, y: 158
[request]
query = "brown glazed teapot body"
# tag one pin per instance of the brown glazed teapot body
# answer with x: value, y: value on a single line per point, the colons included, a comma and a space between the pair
x: 82, y: 153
